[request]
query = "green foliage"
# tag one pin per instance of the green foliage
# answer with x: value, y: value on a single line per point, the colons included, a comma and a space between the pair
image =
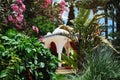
x: 4, y: 11
x: 65, y: 76
x: 87, y: 28
x: 71, y: 60
x: 22, y: 58
x: 102, y: 65
x: 116, y: 41
x: 61, y: 77
x: 44, y: 24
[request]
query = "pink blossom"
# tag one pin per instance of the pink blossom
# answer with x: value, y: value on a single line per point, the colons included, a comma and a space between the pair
x: 14, y: 21
x: 20, y: 18
x: 61, y: 12
x: 34, y: 28
x: 10, y: 18
x: 41, y: 38
x: 62, y: 3
x: 20, y: 11
x: 6, y: 21
x: 23, y: 7
x: 63, y: 7
x: 15, y: 7
x: 15, y: 15
x: 47, y: 3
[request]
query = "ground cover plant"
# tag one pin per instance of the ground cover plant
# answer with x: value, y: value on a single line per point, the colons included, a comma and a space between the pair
x: 102, y: 65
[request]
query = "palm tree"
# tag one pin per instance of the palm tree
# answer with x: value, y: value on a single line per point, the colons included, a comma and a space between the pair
x: 88, y: 30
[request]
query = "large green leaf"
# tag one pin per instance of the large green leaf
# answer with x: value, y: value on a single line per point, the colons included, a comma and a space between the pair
x: 2, y: 47
x: 3, y: 73
x: 5, y: 38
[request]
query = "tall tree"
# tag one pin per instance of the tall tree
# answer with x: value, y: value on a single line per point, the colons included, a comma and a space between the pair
x: 71, y: 15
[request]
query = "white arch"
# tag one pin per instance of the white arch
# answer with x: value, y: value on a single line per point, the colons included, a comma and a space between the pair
x: 60, y: 42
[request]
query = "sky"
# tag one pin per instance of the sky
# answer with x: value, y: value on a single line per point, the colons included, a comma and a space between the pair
x: 65, y: 14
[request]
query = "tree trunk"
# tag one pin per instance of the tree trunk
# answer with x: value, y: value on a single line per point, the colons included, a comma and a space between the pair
x: 106, y: 23
x: 118, y: 20
x: 113, y: 21
x: 71, y: 15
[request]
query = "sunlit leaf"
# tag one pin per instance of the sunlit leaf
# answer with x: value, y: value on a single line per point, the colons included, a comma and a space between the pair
x: 3, y: 73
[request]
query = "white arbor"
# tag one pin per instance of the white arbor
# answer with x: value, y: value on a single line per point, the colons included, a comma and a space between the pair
x: 59, y: 40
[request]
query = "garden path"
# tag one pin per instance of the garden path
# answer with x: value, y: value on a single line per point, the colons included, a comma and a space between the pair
x: 63, y: 70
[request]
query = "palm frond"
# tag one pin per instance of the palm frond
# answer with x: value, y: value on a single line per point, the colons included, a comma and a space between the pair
x: 108, y: 43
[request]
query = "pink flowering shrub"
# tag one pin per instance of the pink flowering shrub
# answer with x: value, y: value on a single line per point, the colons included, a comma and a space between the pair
x: 60, y: 8
x: 35, y: 29
x: 16, y: 16
x: 46, y: 3
x: 23, y: 14
x: 10, y: 18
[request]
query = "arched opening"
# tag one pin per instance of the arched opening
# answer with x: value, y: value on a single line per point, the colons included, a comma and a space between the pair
x: 53, y: 48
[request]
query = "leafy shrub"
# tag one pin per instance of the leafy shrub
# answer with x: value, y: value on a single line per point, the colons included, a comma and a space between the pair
x: 44, y: 24
x: 116, y: 41
x: 24, y: 58
x: 71, y: 60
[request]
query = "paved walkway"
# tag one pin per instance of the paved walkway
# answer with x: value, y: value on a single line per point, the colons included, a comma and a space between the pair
x: 63, y: 70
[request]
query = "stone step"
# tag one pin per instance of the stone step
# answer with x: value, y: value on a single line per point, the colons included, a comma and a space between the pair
x: 63, y: 70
